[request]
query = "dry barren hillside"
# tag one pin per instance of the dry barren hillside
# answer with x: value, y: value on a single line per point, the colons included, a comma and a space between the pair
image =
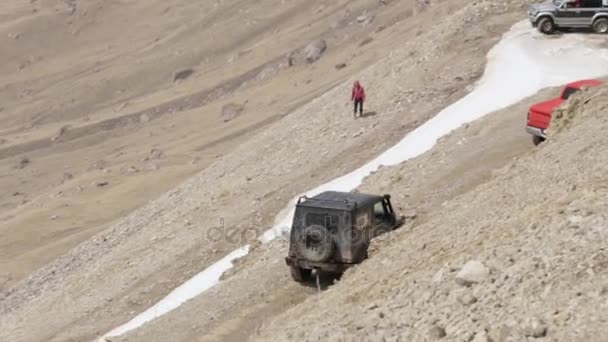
x: 132, y: 130
x: 96, y: 120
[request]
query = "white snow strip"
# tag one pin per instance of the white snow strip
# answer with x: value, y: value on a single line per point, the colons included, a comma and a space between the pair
x: 188, y: 290
x: 520, y: 65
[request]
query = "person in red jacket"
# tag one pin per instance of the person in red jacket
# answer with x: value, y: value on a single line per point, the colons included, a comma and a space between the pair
x: 358, y: 96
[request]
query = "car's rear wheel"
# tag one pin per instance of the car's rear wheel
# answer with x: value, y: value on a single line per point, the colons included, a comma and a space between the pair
x: 315, y: 244
x: 600, y: 25
x: 537, y: 140
x: 299, y: 274
x: 546, y: 25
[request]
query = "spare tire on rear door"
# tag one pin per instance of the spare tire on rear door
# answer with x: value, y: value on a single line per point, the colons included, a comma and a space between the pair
x: 315, y: 244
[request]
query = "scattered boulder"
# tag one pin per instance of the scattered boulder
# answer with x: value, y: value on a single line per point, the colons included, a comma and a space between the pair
x: 366, y: 41
x: 71, y: 6
x: 315, y: 50
x: 99, y: 165
x: 499, y: 334
x: 231, y: 59
x: 101, y: 183
x: 358, y: 134
x: 291, y: 61
x: 467, y: 298
x: 472, y: 272
x: 23, y: 163
x: 132, y: 169
x: 436, y: 332
x: 67, y: 176
x: 232, y: 110
x: 154, y: 154
x: 438, y: 276
x: 361, y: 18
x: 340, y: 66
x: 61, y: 132
x: 534, y: 327
x: 409, y: 214
x: 152, y: 167
x: 481, y: 336
x: 144, y: 118
x: 182, y: 74
x: 118, y: 109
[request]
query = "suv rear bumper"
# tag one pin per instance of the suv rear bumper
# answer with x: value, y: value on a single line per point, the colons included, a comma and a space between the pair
x: 329, y: 267
x: 536, y: 131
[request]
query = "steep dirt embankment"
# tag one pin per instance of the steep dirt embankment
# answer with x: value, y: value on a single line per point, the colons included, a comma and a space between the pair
x: 532, y: 239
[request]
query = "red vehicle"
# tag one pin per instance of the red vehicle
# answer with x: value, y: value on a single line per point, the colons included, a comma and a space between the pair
x: 540, y: 113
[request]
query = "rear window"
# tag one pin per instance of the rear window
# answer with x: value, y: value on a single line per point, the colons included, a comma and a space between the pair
x: 569, y: 91
x: 329, y: 221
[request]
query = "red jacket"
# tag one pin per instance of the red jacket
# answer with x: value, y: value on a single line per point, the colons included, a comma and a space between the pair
x: 358, y: 92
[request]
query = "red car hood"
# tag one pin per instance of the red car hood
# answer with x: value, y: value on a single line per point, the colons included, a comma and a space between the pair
x: 547, y: 107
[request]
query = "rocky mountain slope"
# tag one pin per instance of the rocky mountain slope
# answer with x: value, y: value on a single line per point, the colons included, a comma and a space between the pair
x: 519, y: 257
x: 260, y: 286
x: 230, y: 112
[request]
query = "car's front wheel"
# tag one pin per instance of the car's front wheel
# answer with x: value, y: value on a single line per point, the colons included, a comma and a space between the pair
x: 600, y: 25
x: 545, y: 25
x: 299, y: 274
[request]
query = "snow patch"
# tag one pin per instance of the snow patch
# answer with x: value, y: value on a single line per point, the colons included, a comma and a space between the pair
x: 520, y: 65
x: 203, y: 281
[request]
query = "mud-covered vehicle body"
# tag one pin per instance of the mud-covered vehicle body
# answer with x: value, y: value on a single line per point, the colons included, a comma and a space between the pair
x: 552, y: 15
x: 332, y: 230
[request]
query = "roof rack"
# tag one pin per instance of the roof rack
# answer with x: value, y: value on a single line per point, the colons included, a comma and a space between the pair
x: 345, y: 201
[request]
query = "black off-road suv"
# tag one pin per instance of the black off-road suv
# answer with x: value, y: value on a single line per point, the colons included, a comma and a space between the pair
x: 332, y: 231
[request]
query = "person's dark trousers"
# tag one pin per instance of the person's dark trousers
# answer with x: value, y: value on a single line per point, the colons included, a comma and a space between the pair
x: 359, y: 103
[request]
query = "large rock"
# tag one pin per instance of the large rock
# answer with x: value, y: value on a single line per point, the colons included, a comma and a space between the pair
x: 481, y: 336
x: 23, y: 163
x: 473, y: 272
x: 315, y: 50
x: 61, y: 132
x: 436, y: 333
x: 182, y: 74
